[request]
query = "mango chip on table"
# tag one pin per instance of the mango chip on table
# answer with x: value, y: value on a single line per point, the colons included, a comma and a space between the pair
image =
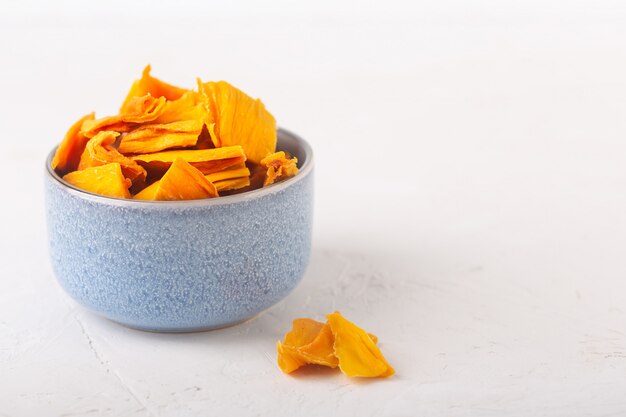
x: 173, y: 143
x: 336, y: 343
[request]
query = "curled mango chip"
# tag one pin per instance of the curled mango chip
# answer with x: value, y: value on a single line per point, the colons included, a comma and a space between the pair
x: 147, y: 84
x: 278, y: 167
x: 232, y: 184
x: 104, y: 179
x: 357, y: 353
x: 67, y: 155
x: 230, y: 179
x: 230, y: 173
x: 238, y: 119
x: 303, y: 332
x: 226, y: 135
x: 157, y: 137
x: 338, y: 342
x: 99, y: 151
x: 187, y: 107
x: 206, y: 160
x: 181, y: 182
x: 320, y: 350
x: 139, y: 110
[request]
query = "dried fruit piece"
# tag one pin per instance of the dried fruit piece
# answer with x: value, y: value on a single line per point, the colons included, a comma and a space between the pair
x: 100, y: 152
x: 156, y: 137
x: 105, y: 179
x: 232, y: 184
x: 68, y: 153
x: 230, y: 179
x: 206, y: 160
x: 320, y: 350
x: 357, y: 353
x: 230, y: 173
x: 181, y: 182
x: 238, y: 119
x: 335, y: 343
x: 279, y: 167
x: 147, y: 84
x: 303, y: 332
x: 188, y: 107
x: 288, y: 358
x: 139, y: 110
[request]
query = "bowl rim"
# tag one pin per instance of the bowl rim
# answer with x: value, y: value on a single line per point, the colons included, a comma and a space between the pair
x: 305, y: 169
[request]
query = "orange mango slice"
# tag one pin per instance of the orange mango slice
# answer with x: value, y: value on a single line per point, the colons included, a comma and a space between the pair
x: 278, y: 167
x: 99, y: 151
x: 67, y: 155
x: 238, y: 119
x: 303, y: 332
x: 356, y: 352
x: 157, y: 137
x: 320, y: 350
x: 105, y: 179
x: 147, y: 84
x: 188, y: 107
x: 230, y: 173
x: 206, y: 160
x: 230, y: 179
x: 232, y: 184
x: 336, y: 343
x: 181, y: 182
x: 141, y: 109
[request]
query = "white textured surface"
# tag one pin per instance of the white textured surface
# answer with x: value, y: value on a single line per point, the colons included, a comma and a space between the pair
x: 471, y: 205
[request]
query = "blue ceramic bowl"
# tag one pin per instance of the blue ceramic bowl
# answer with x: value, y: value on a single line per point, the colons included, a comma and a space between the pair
x: 183, y: 265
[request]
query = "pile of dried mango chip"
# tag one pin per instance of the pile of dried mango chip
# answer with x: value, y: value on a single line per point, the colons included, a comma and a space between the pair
x: 170, y: 143
x: 336, y: 343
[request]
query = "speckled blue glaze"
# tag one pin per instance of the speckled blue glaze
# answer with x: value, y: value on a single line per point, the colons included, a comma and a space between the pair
x: 185, y: 265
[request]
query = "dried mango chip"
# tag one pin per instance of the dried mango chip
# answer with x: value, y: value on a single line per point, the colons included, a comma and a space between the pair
x: 288, y: 358
x: 105, y: 179
x: 181, y: 182
x: 233, y: 178
x: 232, y: 184
x: 187, y: 107
x: 238, y: 119
x: 147, y: 84
x: 68, y: 153
x: 217, y: 129
x: 320, y: 350
x: 157, y: 137
x: 139, y: 110
x: 99, y: 151
x: 230, y: 173
x: 338, y: 342
x: 279, y: 167
x: 357, y: 353
x: 206, y: 160
x: 303, y: 332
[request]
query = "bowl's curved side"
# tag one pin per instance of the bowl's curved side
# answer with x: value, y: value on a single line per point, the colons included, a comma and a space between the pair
x: 180, y: 268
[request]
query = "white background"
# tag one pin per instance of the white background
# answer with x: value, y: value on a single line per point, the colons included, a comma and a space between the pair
x: 470, y: 204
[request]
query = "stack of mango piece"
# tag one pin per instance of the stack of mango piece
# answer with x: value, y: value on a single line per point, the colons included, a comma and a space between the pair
x: 170, y: 143
x: 336, y: 343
